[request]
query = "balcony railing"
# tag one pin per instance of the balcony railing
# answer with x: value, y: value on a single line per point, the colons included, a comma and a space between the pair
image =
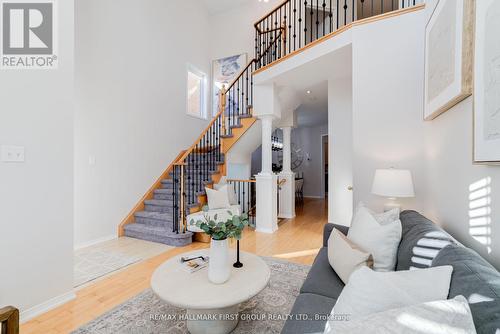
x: 296, y: 23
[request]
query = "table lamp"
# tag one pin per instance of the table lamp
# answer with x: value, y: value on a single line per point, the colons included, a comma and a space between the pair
x: 393, y: 183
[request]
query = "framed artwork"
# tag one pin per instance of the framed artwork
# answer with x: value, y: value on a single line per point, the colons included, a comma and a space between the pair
x: 224, y: 71
x: 487, y: 83
x: 449, y: 56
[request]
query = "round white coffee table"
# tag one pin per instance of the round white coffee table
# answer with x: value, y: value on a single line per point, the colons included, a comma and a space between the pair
x: 211, y: 308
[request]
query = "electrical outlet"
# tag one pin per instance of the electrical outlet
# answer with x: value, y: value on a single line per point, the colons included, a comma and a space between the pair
x: 12, y: 153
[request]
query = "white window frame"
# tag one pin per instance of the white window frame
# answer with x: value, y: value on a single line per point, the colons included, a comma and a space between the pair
x: 203, y: 91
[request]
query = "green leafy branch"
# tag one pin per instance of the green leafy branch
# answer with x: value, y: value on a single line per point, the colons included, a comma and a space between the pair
x: 221, y: 230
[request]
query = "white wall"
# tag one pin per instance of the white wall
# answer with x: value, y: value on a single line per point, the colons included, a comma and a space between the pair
x: 387, y: 104
x: 130, y: 103
x: 309, y: 139
x: 340, y: 198
x: 232, y: 31
x: 450, y: 170
x: 450, y: 174
x: 36, y: 197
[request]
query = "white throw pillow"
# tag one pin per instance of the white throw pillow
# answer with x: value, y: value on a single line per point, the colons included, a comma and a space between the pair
x: 230, y: 191
x: 369, y: 291
x: 451, y: 316
x: 381, y: 240
x: 217, y: 199
x: 384, y: 217
x: 345, y: 256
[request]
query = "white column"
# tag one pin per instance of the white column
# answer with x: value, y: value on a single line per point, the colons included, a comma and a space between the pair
x: 287, y: 192
x: 267, y: 150
x: 287, y: 149
x: 267, y: 187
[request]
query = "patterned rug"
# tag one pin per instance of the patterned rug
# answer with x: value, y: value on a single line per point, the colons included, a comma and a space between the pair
x: 90, y: 264
x: 147, y: 314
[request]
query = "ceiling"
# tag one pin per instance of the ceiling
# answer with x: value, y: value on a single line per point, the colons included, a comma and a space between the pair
x: 217, y: 6
x: 313, y: 110
x: 313, y: 76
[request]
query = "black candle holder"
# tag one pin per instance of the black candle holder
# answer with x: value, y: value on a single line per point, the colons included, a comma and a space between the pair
x: 238, y: 264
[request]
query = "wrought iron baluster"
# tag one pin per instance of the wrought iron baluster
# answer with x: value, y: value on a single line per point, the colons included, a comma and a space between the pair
x: 331, y: 17
x: 300, y: 23
x: 311, y: 23
x: 345, y: 12
x: 305, y: 23
x: 324, y: 17
x: 338, y: 11
x: 317, y: 19
x: 294, y: 25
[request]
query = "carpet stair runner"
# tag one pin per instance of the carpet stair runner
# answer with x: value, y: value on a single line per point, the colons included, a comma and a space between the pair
x: 155, y: 223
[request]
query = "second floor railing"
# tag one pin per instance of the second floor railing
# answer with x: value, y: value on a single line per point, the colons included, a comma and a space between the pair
x: 296, y: 23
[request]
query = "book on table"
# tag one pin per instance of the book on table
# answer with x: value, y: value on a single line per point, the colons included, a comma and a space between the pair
x: 194, y: 262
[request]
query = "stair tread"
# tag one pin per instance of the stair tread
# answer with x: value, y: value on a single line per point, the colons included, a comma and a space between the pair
x: 163, y: 191
x: 154, y: 215
x: 157, y: 230
x: 161, y: 202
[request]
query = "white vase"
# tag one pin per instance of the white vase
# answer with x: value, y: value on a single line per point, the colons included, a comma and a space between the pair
x: 219, y: 266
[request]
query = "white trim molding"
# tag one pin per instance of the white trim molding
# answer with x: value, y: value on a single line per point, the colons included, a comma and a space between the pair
x: 95, y: 241
x: 46, y: 306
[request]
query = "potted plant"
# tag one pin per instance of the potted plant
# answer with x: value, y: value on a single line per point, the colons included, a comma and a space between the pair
x: 220, y: 230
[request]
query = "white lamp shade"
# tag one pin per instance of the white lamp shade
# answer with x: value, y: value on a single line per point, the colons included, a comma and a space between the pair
x: 393, y: 183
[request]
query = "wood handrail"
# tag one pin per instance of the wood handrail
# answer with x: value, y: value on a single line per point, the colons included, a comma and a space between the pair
x: 191, y: 148
x: 269, y: 13
x: 9, y: 320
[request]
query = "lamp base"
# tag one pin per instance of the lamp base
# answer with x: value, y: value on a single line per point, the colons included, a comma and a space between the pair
x: 392, y: 204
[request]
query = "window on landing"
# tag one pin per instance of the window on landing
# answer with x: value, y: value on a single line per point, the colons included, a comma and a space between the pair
x: 196, y: 97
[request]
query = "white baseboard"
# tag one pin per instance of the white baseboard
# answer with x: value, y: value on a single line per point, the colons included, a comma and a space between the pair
x: 265, y: 230
x: 286, y: 216
x: 95, y: 241
x: 50, y: 304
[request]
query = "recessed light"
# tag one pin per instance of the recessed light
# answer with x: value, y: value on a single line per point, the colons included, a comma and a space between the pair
x: 308, y: 92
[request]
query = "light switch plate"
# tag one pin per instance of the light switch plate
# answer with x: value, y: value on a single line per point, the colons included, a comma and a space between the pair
x: 12, y: 153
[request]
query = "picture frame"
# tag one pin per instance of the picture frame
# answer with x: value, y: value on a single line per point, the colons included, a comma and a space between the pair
x: 449, y: 56
x: 487, y: 83
x: 224, y: 71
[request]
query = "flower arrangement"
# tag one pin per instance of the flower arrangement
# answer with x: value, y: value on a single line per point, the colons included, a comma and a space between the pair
x: 231, y: 227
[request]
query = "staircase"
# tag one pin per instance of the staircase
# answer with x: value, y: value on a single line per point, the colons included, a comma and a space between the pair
x: 289, y: 29
x: 160, y: 215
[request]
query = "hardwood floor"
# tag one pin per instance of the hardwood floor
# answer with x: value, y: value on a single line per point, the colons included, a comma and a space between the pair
x: 297, y: 240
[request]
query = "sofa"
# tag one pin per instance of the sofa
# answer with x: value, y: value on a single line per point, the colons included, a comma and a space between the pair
x: 423, y: 244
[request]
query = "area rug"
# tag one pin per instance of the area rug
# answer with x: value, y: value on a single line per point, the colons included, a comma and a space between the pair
x: 90, y: 264
x: 147, y: 314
